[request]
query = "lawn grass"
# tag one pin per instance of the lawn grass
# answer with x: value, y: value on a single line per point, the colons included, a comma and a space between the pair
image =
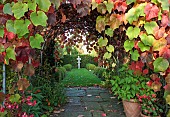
x: 80, y: 77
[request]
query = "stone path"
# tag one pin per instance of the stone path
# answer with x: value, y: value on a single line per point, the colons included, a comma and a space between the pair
x: 90, y: 102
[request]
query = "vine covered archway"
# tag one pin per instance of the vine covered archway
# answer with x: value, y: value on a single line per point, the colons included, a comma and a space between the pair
x: 138, y: 27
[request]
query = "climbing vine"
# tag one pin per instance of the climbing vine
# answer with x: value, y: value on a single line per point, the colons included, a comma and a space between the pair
x: 138, y: 27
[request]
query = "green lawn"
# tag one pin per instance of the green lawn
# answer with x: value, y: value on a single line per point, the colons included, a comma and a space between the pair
x: 80, y: 77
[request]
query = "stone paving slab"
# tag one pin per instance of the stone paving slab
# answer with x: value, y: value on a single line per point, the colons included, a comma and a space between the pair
x: 90, y: 102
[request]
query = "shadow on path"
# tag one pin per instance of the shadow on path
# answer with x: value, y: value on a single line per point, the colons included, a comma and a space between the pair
x: 90, y: 102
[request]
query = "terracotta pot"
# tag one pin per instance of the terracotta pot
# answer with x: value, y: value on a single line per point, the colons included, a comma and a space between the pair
x: 142, y: 115
x: 131, y: 108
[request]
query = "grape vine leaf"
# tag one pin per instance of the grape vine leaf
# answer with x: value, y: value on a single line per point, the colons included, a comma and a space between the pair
x: 36, y: 41
x: 109, y: 6
x: 2, y: 32
x: 10, y: 53
x: 38, y: 18
x: 110, y: 48
x: 147, y: 40
x: 15, y: 98
x: 151, y: 11
x: 10, y: 26
x: 128, y: 45
x: 29, y: 70
x: 109, y: 32
x: 143, y: 47
x: 149, y: 26
x: 114, y: 21
x: 160, y: 64
x: 7, y: 9
x: 134, y: 55
x: 130, y: 1
x: 19, y: 9
x: 100, y: 24
x: 134, y: 13
x: 44, y: 4
x: 107, y: 55
x: 132, y: 32
x: 24, y: 30
x: 159, y: 44
x: 101, y: 8
x: 164, y: 4
x: 102, y: 42
x: 23, y: 84
x: 32, y: 5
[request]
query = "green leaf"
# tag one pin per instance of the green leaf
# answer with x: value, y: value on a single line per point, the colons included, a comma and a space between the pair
x: 109, y: 6
x: 102, y: 42
x: 10, y: 53
x: 24, y: 30
x: 38, y: 18
x: 10, y: 26
x: 110, y: 48
x: 134, y: 13
x: 44, y: 4
x: 107, y: 55
x: 134, y: 55
x: 7, y: 9
x: 109, y: 32
x: 1, y: 32
x: 19, y: 9
x: 15, y: 98
x: 132, y: 32
x: 32, y: 5
x: 154, y: 1
x: 165, y: 4
x: 143, y: 47
x: 36, y: 41
x: 147, y: 40
x: 100, y: 24
x: 160, y: 64
x: 130, y: 1
x: 128, y: 45
x: 2, y: 49
x: 149, y: 27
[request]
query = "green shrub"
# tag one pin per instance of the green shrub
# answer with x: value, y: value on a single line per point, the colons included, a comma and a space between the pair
x: 98, y: 71
x: 72, y: 59
x: 68, y: 67
x: 90, y: 66
x: 60, y: 73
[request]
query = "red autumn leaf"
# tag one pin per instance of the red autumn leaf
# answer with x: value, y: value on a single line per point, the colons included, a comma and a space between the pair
x: 164, y: 21
x: 98, y: 1
x: 103, y: 114
x: 22, y: 53
x: 35, y: 63
x: 23, y: 84
x: 165, y: 52
x: 168, y: 39
x: 11, y: 35
x: 51, y: 9
x: 2, y: 58
x: 154, y: 76
x: 17, y: 66
x: 120, y: 6
x: 30, y: 27
x: 151, y: 11
x: 149, y: 83
x: 159, y: 33
x: 167, y: 87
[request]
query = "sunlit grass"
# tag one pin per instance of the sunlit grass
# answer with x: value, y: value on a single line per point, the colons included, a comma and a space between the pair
x: 80, y: 77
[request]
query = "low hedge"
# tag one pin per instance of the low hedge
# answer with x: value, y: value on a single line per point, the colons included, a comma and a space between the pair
x: 68, y: 67
x: 72, y: 59
x: 90, y: 66
x: 98, y: 71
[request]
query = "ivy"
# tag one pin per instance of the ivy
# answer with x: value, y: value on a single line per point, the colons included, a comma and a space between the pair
x: 149, y: 27
x: 132, y: 32
x: 147, y: 40
x: 36, y: 41
x: 160, y: 64
x: 44, y: 4
x: 7, y: 9
x: 128, y: 45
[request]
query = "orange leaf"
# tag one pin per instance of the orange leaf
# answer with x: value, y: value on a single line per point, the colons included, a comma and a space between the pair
x: 23, y: 84
x: 159, y: 44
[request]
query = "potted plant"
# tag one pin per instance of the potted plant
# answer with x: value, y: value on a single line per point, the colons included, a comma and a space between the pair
x: 127, y: 84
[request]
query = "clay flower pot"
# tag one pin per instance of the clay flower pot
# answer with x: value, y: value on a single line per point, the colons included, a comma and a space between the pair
x: 131, y: 108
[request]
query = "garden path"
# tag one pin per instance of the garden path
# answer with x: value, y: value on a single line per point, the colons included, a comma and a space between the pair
x: 90, y: 102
